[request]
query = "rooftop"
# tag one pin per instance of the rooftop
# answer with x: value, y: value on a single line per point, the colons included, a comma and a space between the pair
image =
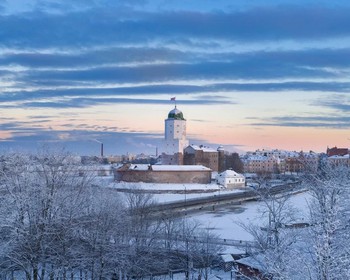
x: 230, y: 173
x: 203, y: 148
x: 176, y: 114
x: 144, y: 167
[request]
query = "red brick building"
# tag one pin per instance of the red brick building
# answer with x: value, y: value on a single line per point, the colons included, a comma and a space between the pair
x: 337, y: 151
x: 201, y: 155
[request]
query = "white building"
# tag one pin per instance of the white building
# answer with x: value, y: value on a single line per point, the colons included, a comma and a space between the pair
x: 175, y: 137
x: 339, y: 160
x: 230, y: 179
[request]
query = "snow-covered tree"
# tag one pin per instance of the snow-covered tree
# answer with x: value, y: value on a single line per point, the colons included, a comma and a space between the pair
x: 319, y: 251
x: 40, y: 203
x: 59, y: 223
x: 274, y: 249
x: 330, y: 223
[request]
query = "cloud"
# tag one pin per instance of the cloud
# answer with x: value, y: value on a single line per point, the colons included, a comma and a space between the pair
x: 80, y: 58
x: 42, y: 117
x: 43, y: 51
x: 83, y: 28
x: 85, y: 71
x: 332, y: 122
x: 330, y: 86
x: 80, y: 141
x: 63, y: 6
x: 339, y: 103
x: 82, y: 102
x: 334, y: 114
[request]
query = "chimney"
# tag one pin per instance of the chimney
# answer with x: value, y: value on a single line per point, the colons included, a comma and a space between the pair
x: 101, y: 150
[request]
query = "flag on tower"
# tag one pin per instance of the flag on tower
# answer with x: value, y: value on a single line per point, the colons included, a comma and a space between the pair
x: 173, y: 98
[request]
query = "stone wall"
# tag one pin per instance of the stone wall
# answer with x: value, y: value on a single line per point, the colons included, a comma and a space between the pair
x: 151, y: 176
x: 175, y: 159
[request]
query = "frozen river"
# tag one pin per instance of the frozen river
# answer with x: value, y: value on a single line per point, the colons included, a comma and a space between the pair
x: 225, y: 221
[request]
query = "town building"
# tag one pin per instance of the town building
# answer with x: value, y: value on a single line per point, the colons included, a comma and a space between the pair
x: 280, y: 161
x: 337, y: 151
x: 338, y: 156
x: 296, y: 162
x: 260, y: 164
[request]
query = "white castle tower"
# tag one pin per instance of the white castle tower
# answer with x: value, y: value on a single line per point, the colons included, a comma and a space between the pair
x: 175, y: 137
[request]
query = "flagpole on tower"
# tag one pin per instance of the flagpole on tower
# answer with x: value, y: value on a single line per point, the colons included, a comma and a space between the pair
x: 173, y: 99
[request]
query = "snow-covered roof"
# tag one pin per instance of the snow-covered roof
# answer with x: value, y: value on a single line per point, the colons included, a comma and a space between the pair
x: 227, y: 258
x: 257, y: 262
x: 257, y: 158
x: 230, y: 174
x: 203, y: 148
x: 180, y: 168
x: 139, y: 166
x: 169, y: 167
x: 282, y: 154
x: 339, y: 157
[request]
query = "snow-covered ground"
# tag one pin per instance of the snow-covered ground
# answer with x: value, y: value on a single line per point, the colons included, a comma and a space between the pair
x: 213, y: 275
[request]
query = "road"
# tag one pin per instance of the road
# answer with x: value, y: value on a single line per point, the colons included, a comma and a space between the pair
x: 211, y: 202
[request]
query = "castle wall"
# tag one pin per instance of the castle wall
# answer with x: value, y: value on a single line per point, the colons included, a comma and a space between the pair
x: 175, y: 159
x: 171, y: 176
